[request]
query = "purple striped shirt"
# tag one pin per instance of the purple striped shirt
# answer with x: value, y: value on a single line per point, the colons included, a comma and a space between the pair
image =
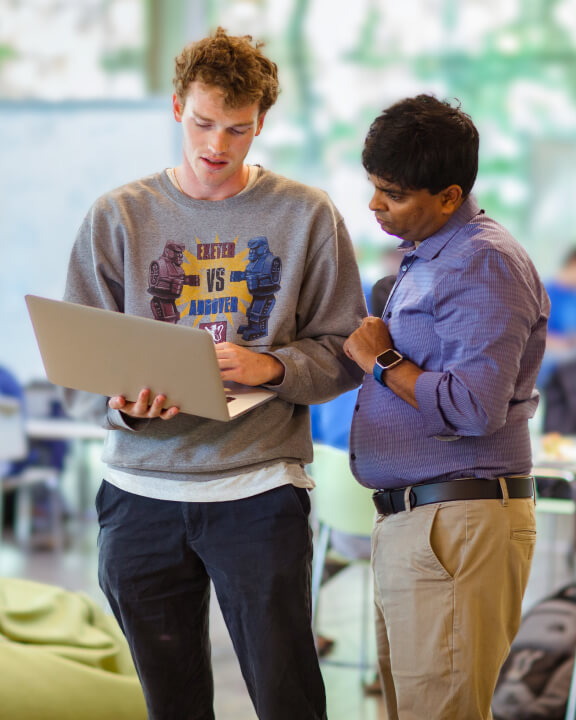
x: 469, y: 309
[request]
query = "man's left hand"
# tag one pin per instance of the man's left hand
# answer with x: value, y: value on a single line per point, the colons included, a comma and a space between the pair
x: 241, y: 365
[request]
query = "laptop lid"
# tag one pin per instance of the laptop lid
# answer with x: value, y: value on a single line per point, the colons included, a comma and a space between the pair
x: 110, y: 353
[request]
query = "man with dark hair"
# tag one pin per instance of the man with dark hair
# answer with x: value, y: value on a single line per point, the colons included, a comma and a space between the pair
x: 441, y: 425
x: 265, y: 265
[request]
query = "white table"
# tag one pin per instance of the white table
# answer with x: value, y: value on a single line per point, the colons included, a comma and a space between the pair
x: 59, y: 429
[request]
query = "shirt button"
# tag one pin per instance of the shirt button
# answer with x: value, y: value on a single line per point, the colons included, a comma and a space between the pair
x: 357, y: 408
x: 352, y: 456
x: 404, y: 268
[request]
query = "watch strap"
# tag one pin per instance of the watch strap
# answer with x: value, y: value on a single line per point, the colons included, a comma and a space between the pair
x: 378, y: 373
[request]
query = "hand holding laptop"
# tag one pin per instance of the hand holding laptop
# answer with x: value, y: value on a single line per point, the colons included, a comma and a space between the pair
x: 142, y: 407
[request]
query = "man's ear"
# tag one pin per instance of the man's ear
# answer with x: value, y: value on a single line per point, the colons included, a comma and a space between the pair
x: 260, y: 123
x: 451, y: 199
x: 177, y: 108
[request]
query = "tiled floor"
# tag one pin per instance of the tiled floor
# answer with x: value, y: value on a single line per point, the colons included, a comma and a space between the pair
x: 339, y: 613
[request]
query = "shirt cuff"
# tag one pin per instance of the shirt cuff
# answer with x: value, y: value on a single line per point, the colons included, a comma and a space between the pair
x: 427, y: 396
x: 117, y: 420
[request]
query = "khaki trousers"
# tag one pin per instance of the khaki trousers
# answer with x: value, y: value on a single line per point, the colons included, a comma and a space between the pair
x: 449, y: 581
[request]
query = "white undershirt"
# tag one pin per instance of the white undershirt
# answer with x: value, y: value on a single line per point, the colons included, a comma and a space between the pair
x: 233, y: 487
x: 252, y: 175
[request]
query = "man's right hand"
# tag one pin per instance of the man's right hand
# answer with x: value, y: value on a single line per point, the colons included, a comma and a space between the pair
x: 367, y: 342
x: 142, y: 408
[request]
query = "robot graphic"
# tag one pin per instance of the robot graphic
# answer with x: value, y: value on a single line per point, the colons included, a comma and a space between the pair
x: 166, y: 279
x: 262, y: 276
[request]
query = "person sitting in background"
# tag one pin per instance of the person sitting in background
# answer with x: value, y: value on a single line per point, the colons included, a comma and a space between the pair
x: 561, y: 339
x: 557, y: 377
x: 10, y: 387
x: 38, y: 453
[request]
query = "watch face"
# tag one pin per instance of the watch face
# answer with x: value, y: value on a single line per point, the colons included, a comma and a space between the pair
x: 388, y: 357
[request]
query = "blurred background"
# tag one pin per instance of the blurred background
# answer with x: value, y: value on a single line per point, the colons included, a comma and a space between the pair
x: 85, y: 105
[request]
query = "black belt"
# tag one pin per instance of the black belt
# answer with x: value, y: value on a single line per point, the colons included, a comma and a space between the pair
x: 392, y: 501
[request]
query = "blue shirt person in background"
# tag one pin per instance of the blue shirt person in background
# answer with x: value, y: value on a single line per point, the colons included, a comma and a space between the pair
x: 557, y: 377
x: 10, y: 387
x: 562, y: 323
x: 441, y: 426
x: 561, y: 338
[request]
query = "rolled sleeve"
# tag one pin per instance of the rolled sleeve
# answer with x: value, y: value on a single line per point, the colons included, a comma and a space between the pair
x: 427, y: 397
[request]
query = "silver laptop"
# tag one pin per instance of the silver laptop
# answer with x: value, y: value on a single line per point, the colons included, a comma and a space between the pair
x: 110, y: 353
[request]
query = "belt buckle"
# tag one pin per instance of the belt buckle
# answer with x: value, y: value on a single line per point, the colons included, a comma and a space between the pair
x: 383, y: 502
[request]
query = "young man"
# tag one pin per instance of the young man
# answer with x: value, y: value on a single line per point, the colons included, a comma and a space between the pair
x: 266, y: 265
x: 441, y: 426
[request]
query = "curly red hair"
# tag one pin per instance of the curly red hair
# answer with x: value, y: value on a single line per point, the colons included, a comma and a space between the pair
x: 231, y: 63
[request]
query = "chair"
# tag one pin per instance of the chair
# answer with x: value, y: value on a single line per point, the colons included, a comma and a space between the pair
x: 22, y: 479
x: 13, y: 444
x: 555, y: 496
x: 62, y: 657
x: 552, y: 497
x: 342, y: 505
x: 571, y: 704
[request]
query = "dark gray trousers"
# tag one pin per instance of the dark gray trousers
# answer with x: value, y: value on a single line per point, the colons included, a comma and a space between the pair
x: 156, y: 560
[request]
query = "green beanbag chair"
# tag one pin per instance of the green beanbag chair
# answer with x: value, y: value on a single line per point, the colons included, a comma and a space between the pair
x: 62, y: 657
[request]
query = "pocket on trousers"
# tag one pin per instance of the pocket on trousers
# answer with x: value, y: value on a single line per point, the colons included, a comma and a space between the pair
x: 98, y: 500
x: 303, y: 497
x: 524, y: 535
x: 523, y: 524
x: 447, y: 537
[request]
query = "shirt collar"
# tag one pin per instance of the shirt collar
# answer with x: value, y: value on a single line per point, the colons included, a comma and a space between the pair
x: 432, y: 245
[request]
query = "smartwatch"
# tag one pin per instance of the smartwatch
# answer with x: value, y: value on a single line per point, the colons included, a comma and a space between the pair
x: 386, y: 360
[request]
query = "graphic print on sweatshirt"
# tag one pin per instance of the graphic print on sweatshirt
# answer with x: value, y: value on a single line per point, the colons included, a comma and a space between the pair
x: 216, y: 281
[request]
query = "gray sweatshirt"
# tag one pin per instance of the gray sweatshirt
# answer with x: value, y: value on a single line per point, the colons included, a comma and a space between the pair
x: 271, y: 268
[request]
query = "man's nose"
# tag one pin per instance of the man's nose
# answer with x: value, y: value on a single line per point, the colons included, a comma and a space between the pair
x: 378, y: 202
x: 218, y: 142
